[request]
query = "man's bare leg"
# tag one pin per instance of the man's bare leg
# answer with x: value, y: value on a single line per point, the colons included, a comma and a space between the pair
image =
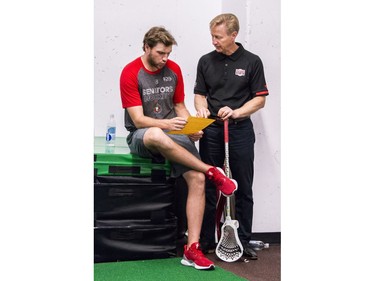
x: 195, y: 204
x: 156, y: 140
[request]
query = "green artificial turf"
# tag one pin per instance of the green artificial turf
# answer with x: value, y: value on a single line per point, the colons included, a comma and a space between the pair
x: 155, y: 270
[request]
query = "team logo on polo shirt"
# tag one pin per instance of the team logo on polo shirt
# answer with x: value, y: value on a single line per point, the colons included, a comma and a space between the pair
x: 157, y: 107
x: 240, y: 72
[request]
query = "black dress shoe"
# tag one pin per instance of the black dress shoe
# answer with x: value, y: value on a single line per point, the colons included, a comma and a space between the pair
x: 249, y: 252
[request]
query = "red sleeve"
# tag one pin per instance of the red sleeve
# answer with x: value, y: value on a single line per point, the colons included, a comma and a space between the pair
x: 129, y: 85
x: 179, y: 94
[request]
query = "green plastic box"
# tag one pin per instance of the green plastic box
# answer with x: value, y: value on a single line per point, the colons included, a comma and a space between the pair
x: 118, y: 161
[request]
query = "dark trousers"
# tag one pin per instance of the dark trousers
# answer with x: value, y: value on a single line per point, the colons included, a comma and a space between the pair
x: 241, y: 162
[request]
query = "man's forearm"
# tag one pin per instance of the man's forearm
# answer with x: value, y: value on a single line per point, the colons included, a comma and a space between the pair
x: 250, y: 107
x: 181, y: 110
x: 200, y: 102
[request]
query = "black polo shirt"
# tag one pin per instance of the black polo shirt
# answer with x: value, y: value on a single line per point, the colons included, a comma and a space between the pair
x: 230, y: 80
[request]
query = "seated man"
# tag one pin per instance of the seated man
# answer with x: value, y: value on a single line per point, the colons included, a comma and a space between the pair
x: 152, y: 93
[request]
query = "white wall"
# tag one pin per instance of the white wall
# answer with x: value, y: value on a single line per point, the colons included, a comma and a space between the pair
x: 119, y: 30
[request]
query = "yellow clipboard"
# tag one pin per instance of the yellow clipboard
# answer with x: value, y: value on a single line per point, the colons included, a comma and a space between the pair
x: 193, y: 125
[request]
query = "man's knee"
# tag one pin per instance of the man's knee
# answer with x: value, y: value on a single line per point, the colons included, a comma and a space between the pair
x: 154, y: 137
x: 195, y: 178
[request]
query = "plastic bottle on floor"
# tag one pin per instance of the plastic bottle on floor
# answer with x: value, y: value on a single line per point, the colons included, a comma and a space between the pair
x: 110, y: 136
x: 258, y: 245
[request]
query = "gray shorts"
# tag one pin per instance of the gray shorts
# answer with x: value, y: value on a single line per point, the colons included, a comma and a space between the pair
x: 136, y: 146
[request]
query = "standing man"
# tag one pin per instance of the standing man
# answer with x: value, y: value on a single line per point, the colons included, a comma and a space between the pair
x: 230, y: 84
x: 152, y: 93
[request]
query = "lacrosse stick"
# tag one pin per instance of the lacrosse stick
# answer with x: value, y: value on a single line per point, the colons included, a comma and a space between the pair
x: 229, y: 248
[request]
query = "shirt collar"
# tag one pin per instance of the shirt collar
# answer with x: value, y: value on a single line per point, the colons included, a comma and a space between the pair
x: 233, y: 56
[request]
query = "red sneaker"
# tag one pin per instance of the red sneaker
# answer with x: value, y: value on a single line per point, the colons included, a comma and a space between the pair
x: 226, y: 185
x: 194, y: 257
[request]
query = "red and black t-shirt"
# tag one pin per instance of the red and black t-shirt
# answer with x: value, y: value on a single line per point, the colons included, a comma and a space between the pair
x: 156, y: 91
x: 230, y: 80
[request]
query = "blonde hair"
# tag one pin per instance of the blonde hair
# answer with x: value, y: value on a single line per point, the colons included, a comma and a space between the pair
x: 230, y: 20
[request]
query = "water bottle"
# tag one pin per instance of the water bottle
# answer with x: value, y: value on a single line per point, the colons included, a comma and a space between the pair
x: 258, y: 245
x: 110, y: 136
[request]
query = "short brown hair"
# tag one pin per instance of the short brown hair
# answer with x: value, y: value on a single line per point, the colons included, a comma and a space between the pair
x: 158, y: 34
x: 231, y: 22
